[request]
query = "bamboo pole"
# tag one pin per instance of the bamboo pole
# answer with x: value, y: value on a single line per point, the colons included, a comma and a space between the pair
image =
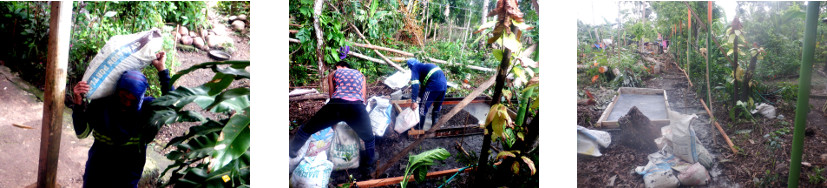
x: 56, y: 67
x: 442, y: 120
x: 395, y: 180
x: 709, y: 53
x: 713, y: 38
x: 721, y: 130
x: 688, y: 40
x: 803, y: 106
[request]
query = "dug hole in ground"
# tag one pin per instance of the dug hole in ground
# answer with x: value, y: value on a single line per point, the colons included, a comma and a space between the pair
x: 393, y: 141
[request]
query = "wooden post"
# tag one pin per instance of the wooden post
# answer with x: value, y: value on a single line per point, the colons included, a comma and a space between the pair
x: 57, y: 61
x: 317, y: 12
x: 484, y: 12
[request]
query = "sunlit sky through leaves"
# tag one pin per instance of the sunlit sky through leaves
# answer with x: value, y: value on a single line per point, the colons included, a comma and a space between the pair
x: 594, y: 12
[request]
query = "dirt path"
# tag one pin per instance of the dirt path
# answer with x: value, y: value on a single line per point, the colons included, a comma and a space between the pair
x: 20, y: 148
x: 616, y: 166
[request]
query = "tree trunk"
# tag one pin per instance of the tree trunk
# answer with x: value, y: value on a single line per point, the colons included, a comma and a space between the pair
x: 745, y: 89
x: 484, y: 12
x: 465, y: 35
x: 502, y: 71
x: 317, y: 12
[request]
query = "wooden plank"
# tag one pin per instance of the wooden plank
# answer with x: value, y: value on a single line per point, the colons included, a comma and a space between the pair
x: 602, y: 120
x: 56, y: 68
x: 396, y: 180
x: 444, y: 119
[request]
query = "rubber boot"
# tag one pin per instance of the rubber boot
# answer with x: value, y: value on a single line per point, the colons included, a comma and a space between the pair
x: 367, y: 162
x: 297, y: 142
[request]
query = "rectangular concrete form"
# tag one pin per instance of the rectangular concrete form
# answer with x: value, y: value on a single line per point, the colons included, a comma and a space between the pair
x: 651, y: 102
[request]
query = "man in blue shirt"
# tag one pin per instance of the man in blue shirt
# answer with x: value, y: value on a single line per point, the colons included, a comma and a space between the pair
x: 434, y: 84
x: 120, y: 125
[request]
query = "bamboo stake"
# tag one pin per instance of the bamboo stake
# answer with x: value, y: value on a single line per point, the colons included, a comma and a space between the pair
x: 57, y: 62
x: 396, y: 180
x: 442, y: 120
x: 713, y: 38
x: 715, y: 122
x: 384, y: 49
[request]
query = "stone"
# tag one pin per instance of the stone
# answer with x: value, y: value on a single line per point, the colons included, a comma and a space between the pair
x: 233, y: 18
x: 242, y: 17
x: 187, y: 40
x: 238, y: 25
x: 183, y: 30
x: 193, y: 34
x: 198, y: 43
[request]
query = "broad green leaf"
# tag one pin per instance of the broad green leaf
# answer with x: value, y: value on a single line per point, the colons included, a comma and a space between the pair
x: 498, y: 53
x: 236, y: 140
x: 509, y: 137
x: 530, y: 164
x: 373, y: 6
x: 239, y: 94
x: 423, y: 160
x: 219, y: 82
x: 234, y: 64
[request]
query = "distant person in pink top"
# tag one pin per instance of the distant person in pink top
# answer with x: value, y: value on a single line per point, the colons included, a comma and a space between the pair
x: 347, y: 96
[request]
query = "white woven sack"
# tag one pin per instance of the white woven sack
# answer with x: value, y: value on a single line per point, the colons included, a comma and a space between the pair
x: 119, y: 54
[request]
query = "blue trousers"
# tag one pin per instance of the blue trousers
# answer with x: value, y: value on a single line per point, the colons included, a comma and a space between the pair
x: 429, y: 98
x: 114, y: 166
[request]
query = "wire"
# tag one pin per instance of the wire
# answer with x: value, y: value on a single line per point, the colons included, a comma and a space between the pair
x: 455, y: 174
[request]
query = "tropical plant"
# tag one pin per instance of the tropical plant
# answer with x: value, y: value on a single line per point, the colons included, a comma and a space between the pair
x: 215, y: 153
x: 418, y: 164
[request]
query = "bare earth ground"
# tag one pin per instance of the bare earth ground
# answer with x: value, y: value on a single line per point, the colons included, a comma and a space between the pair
x: 20, y: 148
x: 756, y: 164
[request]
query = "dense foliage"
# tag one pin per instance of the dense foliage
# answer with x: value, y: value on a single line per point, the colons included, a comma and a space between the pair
x: 215, y: 153
x: 383, y: 23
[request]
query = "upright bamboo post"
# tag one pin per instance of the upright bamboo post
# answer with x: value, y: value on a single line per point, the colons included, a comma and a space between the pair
x: 803, y: 106
x: 709, y: 8
x: 57, y: 61
x: 688, y: 38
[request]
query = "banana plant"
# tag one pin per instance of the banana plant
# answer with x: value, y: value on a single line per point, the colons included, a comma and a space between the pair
x: 418, y: 164
x: 215, y: 153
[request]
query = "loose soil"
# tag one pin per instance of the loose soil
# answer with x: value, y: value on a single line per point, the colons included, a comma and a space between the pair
x: 758, y: 163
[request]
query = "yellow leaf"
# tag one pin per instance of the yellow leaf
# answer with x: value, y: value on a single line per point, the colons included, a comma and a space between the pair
x: 226, y: 178
x: 515, y: 167
x: 505, y: 154
x: 530, y: 164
